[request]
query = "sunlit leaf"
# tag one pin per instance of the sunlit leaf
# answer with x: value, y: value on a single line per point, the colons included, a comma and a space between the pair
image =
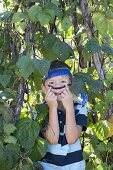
x: 103, y: 166
x: 101, y: 129
x: 88, y: 150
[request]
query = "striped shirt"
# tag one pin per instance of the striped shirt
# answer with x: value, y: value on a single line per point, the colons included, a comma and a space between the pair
x: 66, y: 156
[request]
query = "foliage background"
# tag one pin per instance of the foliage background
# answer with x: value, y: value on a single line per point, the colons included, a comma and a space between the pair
x: 33, y: 33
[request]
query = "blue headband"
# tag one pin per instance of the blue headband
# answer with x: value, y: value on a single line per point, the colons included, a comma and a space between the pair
x: 58, y: 72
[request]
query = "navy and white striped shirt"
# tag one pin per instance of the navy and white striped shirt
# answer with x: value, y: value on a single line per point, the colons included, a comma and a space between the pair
x: 63, y: 155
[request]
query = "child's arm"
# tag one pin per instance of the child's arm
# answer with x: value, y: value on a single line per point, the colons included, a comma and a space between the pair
x: 72, y: 130
x: 51, y: 132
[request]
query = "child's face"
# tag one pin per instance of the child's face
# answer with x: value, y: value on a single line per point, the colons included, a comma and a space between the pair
x: 57, y: 85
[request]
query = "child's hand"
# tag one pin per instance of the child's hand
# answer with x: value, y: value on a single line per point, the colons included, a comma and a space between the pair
x: 51, y: 99
x: 67, y: 98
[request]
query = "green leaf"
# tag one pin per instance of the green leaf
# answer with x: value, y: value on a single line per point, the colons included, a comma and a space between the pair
x: 5, y: 79
x: 42, y: 114
x: 1, y: 54
x: 109, y: 79
x: 3, y: 109
x: 90, y: 165
x: 109, y: 14
x: 93, y: 46
x: 101, y: 23
x: 54, y: 6
x: 17, y: 17
x: 88, y: 150
x: 3, y: 162
x: 84, y: 76
x: 103, y: 166
x: 110, y: 147
x: 66, y: 23
x: 95, y: 85
x: 86, y: 55
x: 25, y: 63
x: 101, y: 129
x: 8, y: 93
x: 49, y: 40
x: 27, y: 132
x: 107, y: 49
x: 62, y: 49
x: 97, y: 16
x: 42, y: 66
x: 10, y: 139
x: 12, y: 155
x: 102, y: 147
x: 58, y: 48
x: 37, y: 81
x: 48, y: 54
x: 1, y: 146
x: 78, y: 86
x: 109, y: 96
x: 55, y: 2
x: 23, y: 25
x: 6, y: 114
x: 43, y: 18
x: 39, y: 150
x: 9, y: 128
x: 110, y: 26
x: 38, y: 166
x: 5, y: 15
x: 27, y: 167
x: 33, y: 12
x: 50, y: 12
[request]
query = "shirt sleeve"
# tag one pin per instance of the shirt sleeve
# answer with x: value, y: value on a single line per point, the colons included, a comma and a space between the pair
x: 81, y: 115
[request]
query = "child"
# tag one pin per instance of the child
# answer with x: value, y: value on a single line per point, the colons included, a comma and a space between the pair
x: 66, y: 121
